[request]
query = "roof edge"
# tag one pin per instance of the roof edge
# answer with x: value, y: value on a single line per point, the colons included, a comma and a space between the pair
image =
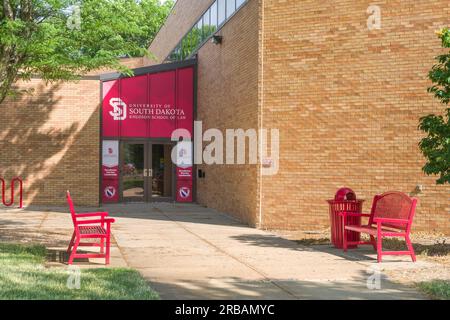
x: 150, y: 69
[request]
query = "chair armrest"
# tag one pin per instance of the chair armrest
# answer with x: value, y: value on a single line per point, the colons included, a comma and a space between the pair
x: 390, y: 220
x: 107, y: 220
x: 353, y: 214
x: 92, y: 214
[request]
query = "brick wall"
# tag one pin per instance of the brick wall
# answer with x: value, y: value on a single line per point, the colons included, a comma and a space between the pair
x: 228, y: 99
x: 347, y: 101
x: 50, y: 138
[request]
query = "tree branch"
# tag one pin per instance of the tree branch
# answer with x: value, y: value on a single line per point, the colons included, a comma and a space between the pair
x: 26, y: 10
x: 7, y: 10
x: 7, y: 78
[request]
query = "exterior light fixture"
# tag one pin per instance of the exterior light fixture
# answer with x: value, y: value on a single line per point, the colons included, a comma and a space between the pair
x: 216, y: 39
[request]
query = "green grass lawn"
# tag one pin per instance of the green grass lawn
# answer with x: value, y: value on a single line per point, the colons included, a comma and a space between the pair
x: 438, y: 289
x: 23, y: 276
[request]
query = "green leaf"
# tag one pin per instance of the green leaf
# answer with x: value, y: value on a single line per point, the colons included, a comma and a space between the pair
x: 43, y: 44
x: 435, y: 146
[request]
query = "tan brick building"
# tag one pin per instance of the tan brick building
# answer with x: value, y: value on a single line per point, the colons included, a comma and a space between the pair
x: 346, y: 98
x: 51, y: 138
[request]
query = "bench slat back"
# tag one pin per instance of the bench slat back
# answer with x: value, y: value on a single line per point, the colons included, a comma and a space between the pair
x: 394, y: 205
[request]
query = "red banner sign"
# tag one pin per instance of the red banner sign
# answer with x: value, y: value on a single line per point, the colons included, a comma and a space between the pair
x: 184, y: 191
x: 147, y: 106
x: 110, y: 171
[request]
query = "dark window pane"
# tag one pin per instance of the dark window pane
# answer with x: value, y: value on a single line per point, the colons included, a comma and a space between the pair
x: 221, y: 5
x: 195, y: 37
x: 185, y: 49
x: 173, y: 56
x: 216, y: 15
x: 190, y: 43
x: 197, y: 34
x: 133, y: 172
x: 231, y: 7
x: 178, y: 52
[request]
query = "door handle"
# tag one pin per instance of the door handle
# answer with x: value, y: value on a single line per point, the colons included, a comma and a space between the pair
x: 148, y: 173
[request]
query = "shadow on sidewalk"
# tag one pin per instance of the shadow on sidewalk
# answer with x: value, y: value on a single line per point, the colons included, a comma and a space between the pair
x: 282, y: 289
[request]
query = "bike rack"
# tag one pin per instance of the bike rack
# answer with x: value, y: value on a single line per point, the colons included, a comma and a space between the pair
x: 11, y: 200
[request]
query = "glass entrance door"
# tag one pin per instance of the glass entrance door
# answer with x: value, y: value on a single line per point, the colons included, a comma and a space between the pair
x: 147, y: 173
x: 161, y: 172
x: 134, y: 171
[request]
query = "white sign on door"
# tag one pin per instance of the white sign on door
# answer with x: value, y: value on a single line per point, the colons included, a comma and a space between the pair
x: 111, y: 153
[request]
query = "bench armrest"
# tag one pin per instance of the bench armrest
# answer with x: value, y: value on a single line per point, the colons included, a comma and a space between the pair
x: 391, y: 220
x: 92, y: 214
x: 107, y: 220
x: 352, y: 214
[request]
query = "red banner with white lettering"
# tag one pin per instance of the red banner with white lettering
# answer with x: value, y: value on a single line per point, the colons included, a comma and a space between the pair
x: 110, y: 171
x: 148, y: 106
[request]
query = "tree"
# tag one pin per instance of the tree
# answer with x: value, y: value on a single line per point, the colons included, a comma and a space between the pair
x: 64, y: 39
x: 436, y: 145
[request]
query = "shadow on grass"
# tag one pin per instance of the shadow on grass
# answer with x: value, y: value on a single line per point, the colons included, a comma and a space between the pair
x: 437, y: 249
x: 24, y: 277
x: 62, y: 257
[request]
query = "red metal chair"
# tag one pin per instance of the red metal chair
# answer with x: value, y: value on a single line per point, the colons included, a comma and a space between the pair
x: 391, y: 216
x: 89, y: 229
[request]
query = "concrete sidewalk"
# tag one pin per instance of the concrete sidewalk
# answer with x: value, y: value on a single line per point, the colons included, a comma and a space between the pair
x: 187, y: 251
x: 190, y: 252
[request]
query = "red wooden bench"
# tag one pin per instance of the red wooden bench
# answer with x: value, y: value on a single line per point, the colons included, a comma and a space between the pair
x: 98, y: 228
x: 391, y: 216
